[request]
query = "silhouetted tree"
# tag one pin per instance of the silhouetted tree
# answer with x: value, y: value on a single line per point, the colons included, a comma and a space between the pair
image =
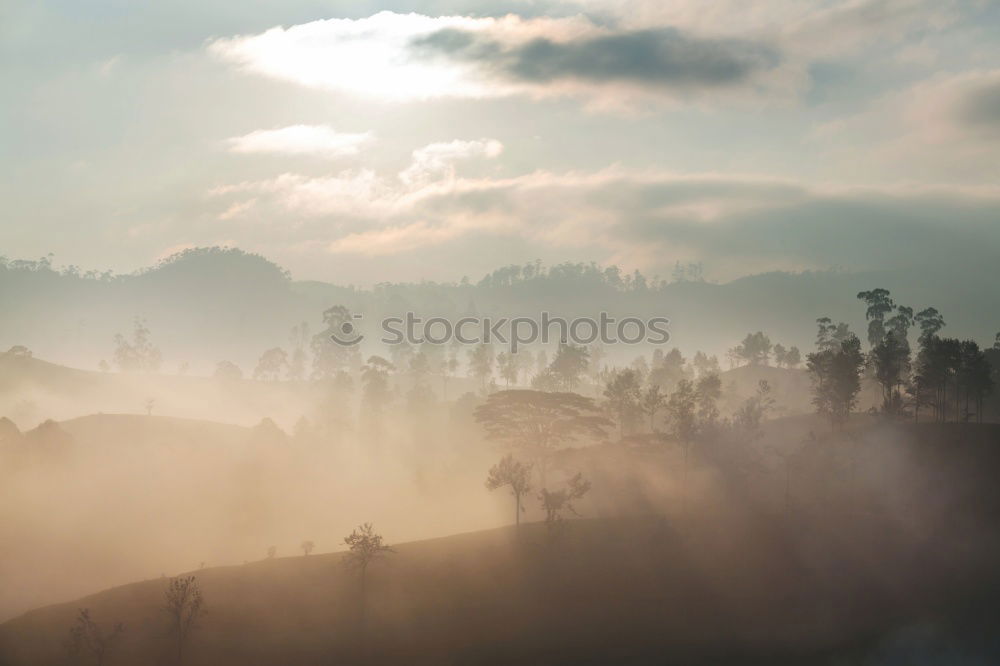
x: 755, y: 349
x: 879, y: 305
x: 271, y: 552
x: 830, y: 335
x: 651, y: 402
x: 793, y: 357
x: 555, y: 502
x: 891, y: 359
x: 85, y: 637
x: 779, y: 355
x: 704, y: 364
x: 139, y: 354
x: 569, y: 364
x: 974, y: 378
x: 930, y: 321
x: 481, y: 363
x: 184, y: 606
x: 330, y: 357
x: 623, y: 395
x: 507, y: 368
x: 364, y: 547
x: 538, y: 423
x: 836, y: 374
x: 297, y: 362
x: 516, y: 475
x: 708, y: 390
x: 666, y: 369
x: 307, y: 547
x: 271, y: 364
x: 227, y: 371
x: 751, y: 414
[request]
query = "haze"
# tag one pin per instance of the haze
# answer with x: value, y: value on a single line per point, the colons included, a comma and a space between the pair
x: 208, y: 456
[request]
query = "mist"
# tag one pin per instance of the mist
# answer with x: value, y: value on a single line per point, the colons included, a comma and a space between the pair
x: 506, y: 332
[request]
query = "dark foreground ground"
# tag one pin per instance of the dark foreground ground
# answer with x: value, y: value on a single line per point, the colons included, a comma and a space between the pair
x: 909, y: 576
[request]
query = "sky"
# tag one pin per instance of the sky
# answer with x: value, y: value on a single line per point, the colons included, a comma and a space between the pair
x: 363, y: 142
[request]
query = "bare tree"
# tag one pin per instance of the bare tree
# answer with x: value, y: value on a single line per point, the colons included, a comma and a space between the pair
x: 86, y: 637
x: 271, y: 552
x: 517, y: 475
x: 184, y: 606
x: 554, y: 502
x: 307, y: 547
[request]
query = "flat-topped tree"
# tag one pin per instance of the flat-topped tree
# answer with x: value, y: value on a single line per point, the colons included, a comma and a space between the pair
x: 537, y: 423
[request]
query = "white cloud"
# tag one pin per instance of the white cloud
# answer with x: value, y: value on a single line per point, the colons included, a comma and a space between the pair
x: 367, y: 56
x: 361, y: 192
x: 317, y: 140
x: 411, y: 56
x: 740, y: 223
x: 437, y: 160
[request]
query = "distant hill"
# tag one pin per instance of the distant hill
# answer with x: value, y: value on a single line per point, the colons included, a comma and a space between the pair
x: 212, y: 304
x: 33, y: 390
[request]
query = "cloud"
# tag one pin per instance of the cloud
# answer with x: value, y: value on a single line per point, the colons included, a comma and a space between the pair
x: 317, y: 140
x: 361, y: 192
x: 659, y: 57
x: 349, y: 192
x: 367, y: 56
x: 946, y: 127
x: 411, y: 56
x: 979, y: 107
x: 648, y: 219
x: 437, y: 160
x: 394, y: 240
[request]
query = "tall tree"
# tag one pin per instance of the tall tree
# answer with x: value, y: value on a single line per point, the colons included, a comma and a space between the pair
x: 708, y: 390
x: 879, y: 305
x: 271, y: 364
x: 569, y: 364
x: 507, y: 366
x: 481, y: 364
x: 836, y: 374
x: 830, y: 335
x: 330, y: 356
x: 623, y: 393
x: 651, y: 402
x: 298, y: 339
x: 891, y: 359
x: 375, y: 395
x: 779, y: 355
x: 793, y: 357
x: 930, y: 321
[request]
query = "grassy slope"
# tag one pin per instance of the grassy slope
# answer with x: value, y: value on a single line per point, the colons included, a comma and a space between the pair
x: 774, y: 588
